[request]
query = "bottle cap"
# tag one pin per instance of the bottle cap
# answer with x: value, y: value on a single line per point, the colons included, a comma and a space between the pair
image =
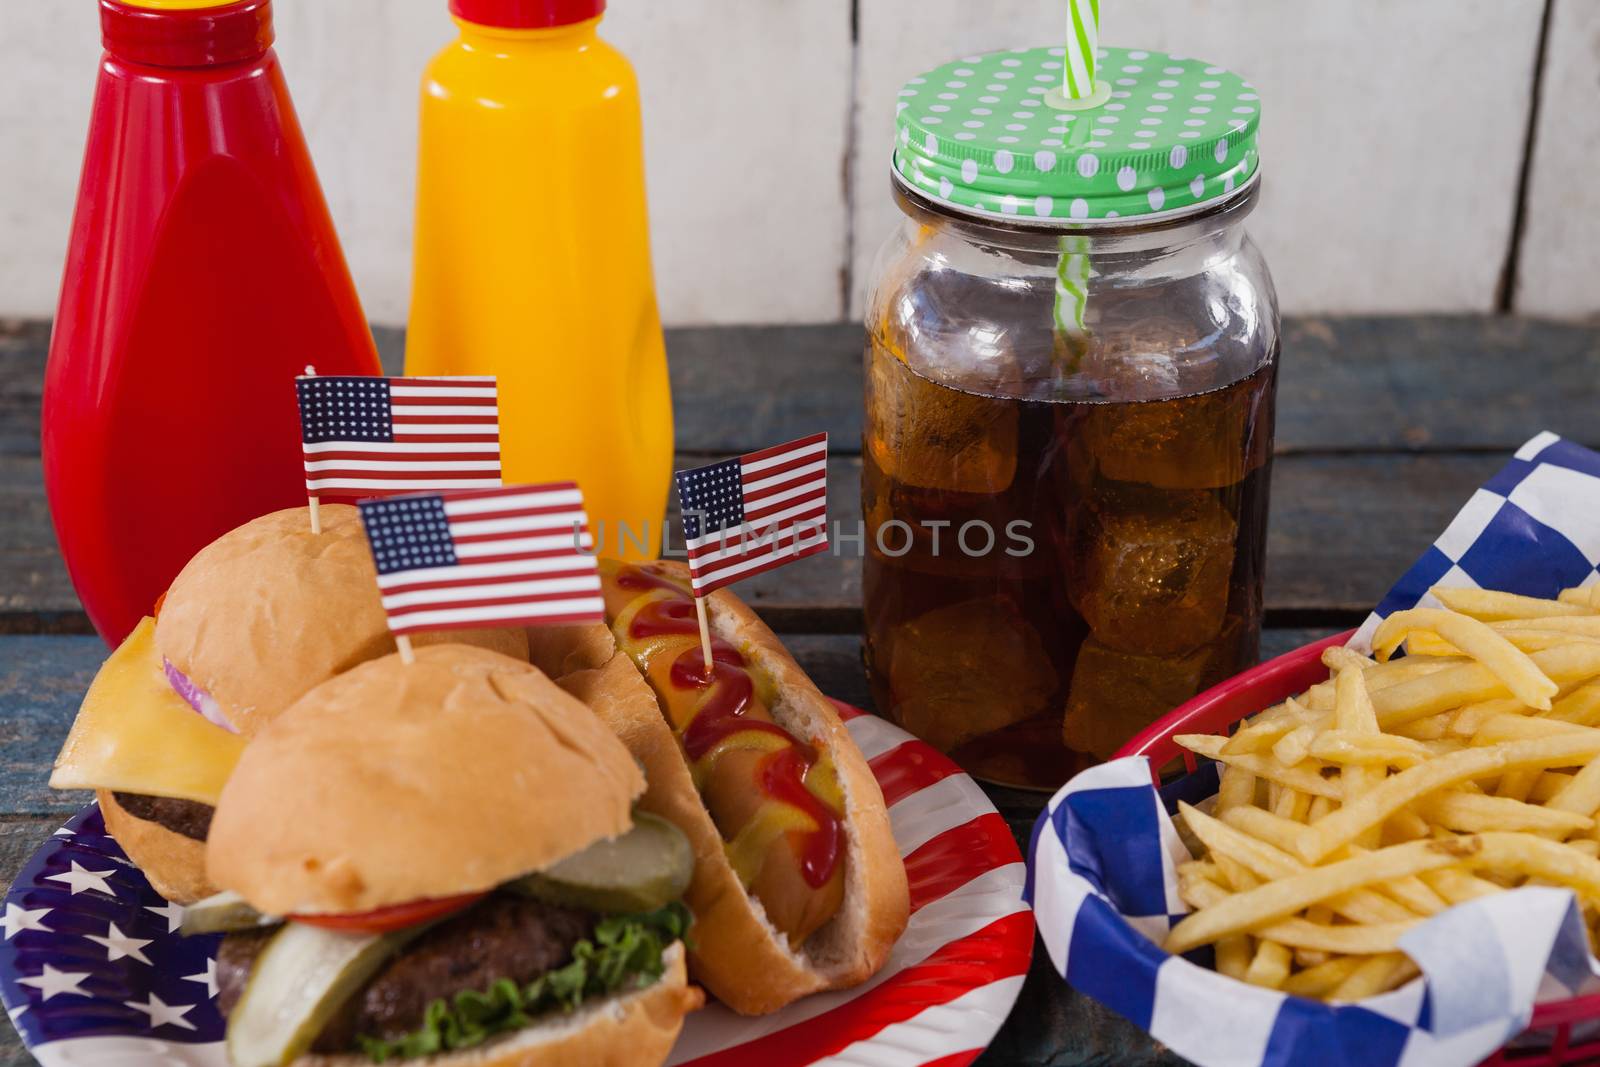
x: 171, y: 34
x: 991, y: 135
x: 527, y: 14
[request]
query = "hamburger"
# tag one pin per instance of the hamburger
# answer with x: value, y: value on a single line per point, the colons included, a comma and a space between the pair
x: 255, y: 620
x: 440, y: 859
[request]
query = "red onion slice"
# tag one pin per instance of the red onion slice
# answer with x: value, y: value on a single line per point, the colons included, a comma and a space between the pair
x: 197, y: 698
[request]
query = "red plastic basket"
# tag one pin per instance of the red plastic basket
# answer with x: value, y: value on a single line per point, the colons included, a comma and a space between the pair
x: 1220, y: 708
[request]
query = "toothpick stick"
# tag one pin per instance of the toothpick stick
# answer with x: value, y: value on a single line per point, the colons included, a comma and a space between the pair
x: 705, y: 631
x: 403, y: 643
x: 316, y: 502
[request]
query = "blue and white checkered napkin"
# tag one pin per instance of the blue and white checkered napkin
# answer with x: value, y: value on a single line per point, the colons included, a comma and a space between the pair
x: 1102, y: 865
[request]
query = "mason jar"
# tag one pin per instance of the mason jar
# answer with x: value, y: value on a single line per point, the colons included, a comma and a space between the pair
x: 1071, y: 365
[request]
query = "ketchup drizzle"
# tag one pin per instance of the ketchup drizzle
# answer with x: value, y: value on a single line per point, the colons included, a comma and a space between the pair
x: 724, y: 713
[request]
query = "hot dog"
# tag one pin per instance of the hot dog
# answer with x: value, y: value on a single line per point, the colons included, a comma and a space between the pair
x: 798, y: 885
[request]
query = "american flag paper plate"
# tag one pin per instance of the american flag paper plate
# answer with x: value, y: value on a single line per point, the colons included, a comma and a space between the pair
x: 94, y: 974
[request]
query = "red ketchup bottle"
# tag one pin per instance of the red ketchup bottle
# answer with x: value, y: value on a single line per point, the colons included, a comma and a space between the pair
x: 203, y: 274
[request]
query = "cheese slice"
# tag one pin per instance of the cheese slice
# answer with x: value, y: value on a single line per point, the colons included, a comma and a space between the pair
x: 135, y: 735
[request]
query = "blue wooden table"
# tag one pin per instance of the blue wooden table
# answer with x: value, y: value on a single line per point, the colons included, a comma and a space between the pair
x: 1385, y: 428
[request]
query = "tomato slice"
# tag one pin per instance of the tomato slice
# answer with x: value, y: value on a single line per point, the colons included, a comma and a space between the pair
x: 394, y: 917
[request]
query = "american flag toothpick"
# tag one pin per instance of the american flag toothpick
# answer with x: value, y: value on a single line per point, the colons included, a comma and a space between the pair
x: 748, y: 515
x: 371, y: 437
x: 518, y: 555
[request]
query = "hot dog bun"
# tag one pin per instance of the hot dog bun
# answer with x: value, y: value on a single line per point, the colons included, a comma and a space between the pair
x: 738, y: 954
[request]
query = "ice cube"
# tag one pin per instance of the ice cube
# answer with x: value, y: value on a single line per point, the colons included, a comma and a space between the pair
x: 1115, y: 694
x: 1191, y: 442
x: 932, y: 436
x: 968, y: 669
x: 1148, y: 569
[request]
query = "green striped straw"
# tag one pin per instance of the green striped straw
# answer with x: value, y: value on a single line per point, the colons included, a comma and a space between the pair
x: 1079, y: 89
x: 1072, y: 285
x: 1083, y: 42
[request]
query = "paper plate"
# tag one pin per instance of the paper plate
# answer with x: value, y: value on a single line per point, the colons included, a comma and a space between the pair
x: 94, y: 974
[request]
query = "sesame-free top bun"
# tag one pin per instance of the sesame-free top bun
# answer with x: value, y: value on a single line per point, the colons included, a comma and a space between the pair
x: 269, y: 609
x: 397, y: 782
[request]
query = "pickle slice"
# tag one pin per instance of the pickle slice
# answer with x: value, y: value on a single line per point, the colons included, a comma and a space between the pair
x: 644, y: 869
x: 222, y: 913
x: 300, y: 980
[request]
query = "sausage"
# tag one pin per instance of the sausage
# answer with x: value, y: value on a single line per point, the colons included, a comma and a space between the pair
x: 754, y: 777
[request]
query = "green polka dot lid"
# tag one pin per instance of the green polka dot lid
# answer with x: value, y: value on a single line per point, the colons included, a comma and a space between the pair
x: 992, y: 135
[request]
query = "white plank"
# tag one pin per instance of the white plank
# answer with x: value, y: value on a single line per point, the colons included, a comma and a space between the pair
x: 1559, y: 273
x: 354, y: 69
x: 48, y: 52
x: 746, y: 107
x: 1392, y: 135
x: 746, y: 117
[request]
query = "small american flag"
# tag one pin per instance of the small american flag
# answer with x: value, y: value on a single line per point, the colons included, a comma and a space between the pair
x: 751, y: 514
x: 514, y: 556
x: 369, y: 437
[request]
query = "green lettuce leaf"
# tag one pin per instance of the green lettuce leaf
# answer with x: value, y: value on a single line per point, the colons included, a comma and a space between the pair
x: 625, y: 953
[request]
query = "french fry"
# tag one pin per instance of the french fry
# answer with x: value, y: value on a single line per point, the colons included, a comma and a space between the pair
x: 1430, y: 729
x: 1522, y: 855
x: 1585, y: 625
x: 1516, y: 785
x: 1352, y: 939
x: 1291, y: 747
x: 1365, y: 750
x: 1549, y: 784
x: 1474, y: 813
x: 1489, y: 648
x: 1525, y: 640
x: 1300, y: 776
x: 1269, y: 727
x: 1468, y: 683
x: 1469, y: 718
x: 1270, y: 862
x: 1270, y: 966
x: 1320, y: 806
x: 1581, y: 706
x: 1416, y: 895
x: 1353, y: 714
x: 1502, y: 728
x: 1267, y: 828
x: 1337, y: 658
x: 1404, y: 825
x: 1345, y: 825
x: 1378, y: 974
x: 1233, y: 956
x: 1237, y: 876
x: 1292, y: 805
x: 1459, y: 886
x: 1488, y: 605
x: 1321, y: 980
x: 1279, y: 899
x: 1580, y: 795
x: 1238, y: 786
x: 1587, y: 596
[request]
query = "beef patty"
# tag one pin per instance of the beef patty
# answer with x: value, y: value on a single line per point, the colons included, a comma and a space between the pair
x: 186, y: 817
x: 504, y: 936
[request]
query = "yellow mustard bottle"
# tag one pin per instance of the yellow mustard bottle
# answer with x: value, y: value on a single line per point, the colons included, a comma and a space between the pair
x: 532, y: 256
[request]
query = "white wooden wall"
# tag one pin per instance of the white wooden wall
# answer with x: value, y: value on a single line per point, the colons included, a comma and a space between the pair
x: 1394, y: 139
